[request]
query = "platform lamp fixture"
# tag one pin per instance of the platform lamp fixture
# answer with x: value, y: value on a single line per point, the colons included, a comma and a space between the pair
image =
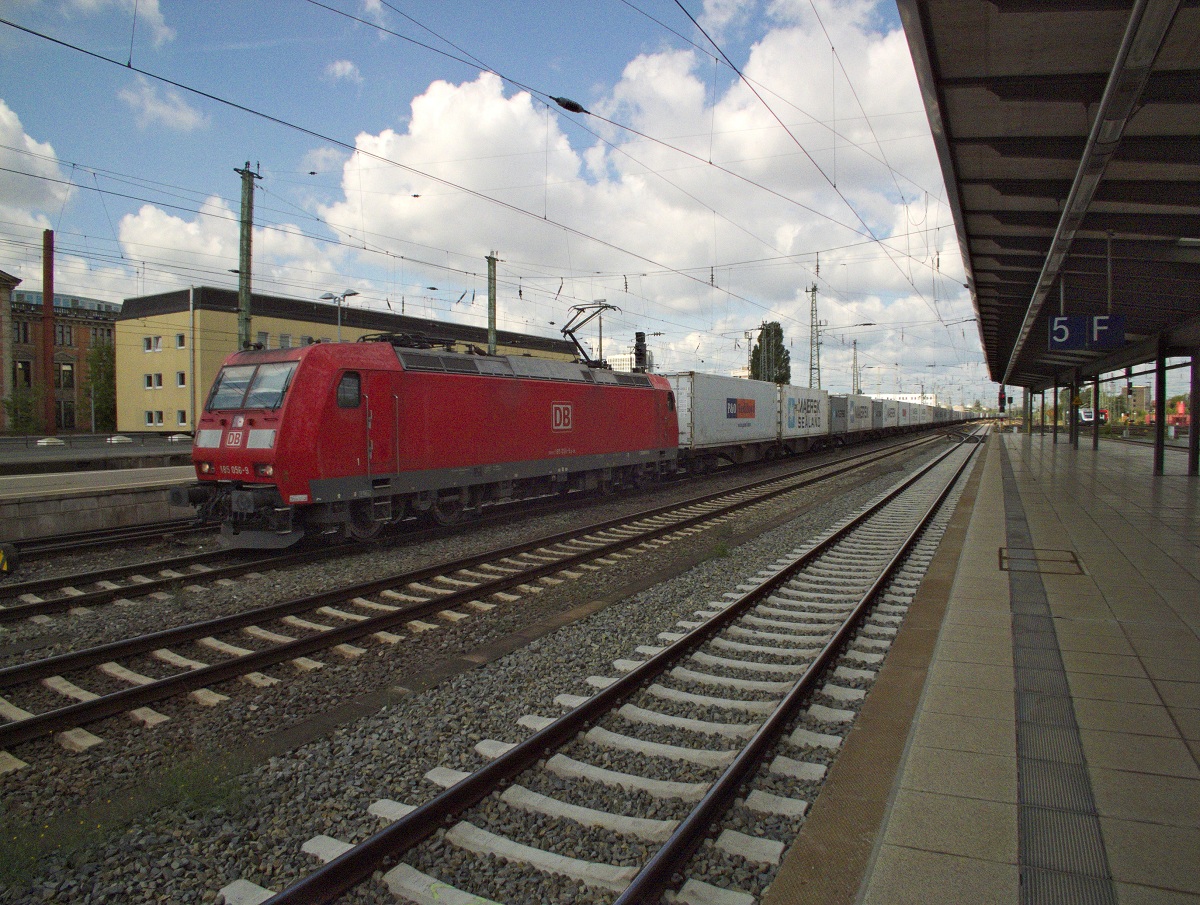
x: 329, y: 296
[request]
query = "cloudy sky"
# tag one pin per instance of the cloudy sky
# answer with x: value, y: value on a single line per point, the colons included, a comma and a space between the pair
x: 400, y: 142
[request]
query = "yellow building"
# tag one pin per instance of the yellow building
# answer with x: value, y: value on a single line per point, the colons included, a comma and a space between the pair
x: 170, y: 346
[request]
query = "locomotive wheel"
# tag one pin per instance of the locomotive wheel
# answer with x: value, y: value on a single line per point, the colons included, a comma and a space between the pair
x: 360, y: 525
x: 446, y: 511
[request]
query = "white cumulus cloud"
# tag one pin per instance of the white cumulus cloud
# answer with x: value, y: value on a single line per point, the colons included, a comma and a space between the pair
x: 149, y: 15
x: 167, y: 108
x: 343, y: 71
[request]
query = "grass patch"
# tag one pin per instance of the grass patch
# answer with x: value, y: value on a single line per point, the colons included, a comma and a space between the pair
x: 196, y: 785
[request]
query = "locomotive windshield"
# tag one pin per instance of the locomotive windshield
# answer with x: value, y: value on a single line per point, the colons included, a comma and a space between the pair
x: 251, y: 386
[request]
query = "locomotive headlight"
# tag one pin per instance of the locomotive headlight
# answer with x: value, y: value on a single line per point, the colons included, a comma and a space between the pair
x: 264, y: 469
x: 206, y: 467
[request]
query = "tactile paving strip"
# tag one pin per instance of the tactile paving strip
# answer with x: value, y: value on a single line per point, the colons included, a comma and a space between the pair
x: 1060, y: 848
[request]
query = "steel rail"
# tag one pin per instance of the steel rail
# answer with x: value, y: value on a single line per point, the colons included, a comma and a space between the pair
x: 99, y: 597
x: 384, y: 849
x: 93, y: 598
x: 655, y: 877
x: 103, y: 537
x: 84, y: 712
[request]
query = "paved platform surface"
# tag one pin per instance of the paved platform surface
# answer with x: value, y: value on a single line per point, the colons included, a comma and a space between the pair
x: 1035, y: 733
x: 41, y: 486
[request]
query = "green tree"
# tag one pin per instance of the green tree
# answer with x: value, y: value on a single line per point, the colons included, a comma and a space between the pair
x: 24, y: 410
x: 769, y: 359
x: 100, y: 388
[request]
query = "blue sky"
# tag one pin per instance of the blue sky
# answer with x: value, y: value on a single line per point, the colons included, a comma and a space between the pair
x: 682, y: 200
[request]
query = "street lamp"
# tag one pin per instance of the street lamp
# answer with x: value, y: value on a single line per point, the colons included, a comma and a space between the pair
x: 329, y: 296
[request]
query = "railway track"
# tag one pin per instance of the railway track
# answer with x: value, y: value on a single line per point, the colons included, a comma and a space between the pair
x: 140, y: 671
x: 82, y: 592
x: 37, y: 547
x: 762, y: 685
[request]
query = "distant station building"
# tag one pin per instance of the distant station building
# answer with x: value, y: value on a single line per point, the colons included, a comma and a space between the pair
x: 79, y: 323
x: 626, y: 361
x: 170, y: 345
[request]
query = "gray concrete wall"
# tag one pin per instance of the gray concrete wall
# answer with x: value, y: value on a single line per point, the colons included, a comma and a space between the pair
x: 85, y: 511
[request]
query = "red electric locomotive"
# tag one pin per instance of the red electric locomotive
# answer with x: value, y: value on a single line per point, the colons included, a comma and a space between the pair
x: 347, y: 437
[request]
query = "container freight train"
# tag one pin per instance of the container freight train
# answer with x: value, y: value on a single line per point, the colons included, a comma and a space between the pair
x: 348, y: 437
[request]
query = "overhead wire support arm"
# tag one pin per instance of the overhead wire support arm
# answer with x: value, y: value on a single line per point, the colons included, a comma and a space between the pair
x: 581, y: 315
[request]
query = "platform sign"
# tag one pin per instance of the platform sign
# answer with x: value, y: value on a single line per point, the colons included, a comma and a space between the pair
x: 1077, y: 331
x: 1106, y: 331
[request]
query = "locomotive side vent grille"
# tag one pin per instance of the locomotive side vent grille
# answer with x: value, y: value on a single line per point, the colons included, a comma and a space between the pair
x: 463, y: 365
x: 633, y: 380
x: 421, y: 362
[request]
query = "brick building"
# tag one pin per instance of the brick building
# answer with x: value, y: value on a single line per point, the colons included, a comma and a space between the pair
x: 78, y: 324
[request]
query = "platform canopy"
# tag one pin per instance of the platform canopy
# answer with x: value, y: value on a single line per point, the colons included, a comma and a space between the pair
x: 1069, y: 137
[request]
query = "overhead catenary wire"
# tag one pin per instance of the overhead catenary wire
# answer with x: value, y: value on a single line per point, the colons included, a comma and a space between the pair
x: 373, y: 240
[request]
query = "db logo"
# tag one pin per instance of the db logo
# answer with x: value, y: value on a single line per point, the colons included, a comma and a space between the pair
x: 233, y: 438
x: 561, y: 416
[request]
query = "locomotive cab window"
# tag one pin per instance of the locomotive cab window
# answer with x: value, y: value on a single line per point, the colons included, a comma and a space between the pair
x: 250, y: 386
x: 269, y: 385
x: 348, y: 390
x: 670, y: 401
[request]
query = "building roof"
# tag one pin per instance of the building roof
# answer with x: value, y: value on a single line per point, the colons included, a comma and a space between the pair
x: 1069, y: 138
x: 208, y: 298
x: 7, y: 279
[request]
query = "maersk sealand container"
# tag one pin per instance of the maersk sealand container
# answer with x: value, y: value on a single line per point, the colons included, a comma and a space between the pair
x: 849, y: 414
x: 885, y: 413
x: 803, y: 417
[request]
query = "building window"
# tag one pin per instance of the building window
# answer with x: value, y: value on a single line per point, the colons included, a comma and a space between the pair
x: 158, y: 381
x: 180, y: 341
x: 263, y: 339
x: 181, y: 417
x: 148, y: 381
x: 63, y: 335
x: 147, y: 343
x: 21, y: 332
x: 180, y: 379
x: 285, y: 340
x: 158, y: 344
x: 64, y: 414
x: 64, y: 376
x: 149, y: 419
x: 23, y: 373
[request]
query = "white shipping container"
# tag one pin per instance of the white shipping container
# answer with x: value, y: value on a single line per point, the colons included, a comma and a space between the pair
x: 849, y: 414
x: 858, y: 413
x: 722, y: 411
x: 905, y: 414
x: 803, y: 412
x: 884, y: 413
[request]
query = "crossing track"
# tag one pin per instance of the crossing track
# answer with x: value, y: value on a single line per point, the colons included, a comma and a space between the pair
x: 367, y: 610
x: 852, y: 564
